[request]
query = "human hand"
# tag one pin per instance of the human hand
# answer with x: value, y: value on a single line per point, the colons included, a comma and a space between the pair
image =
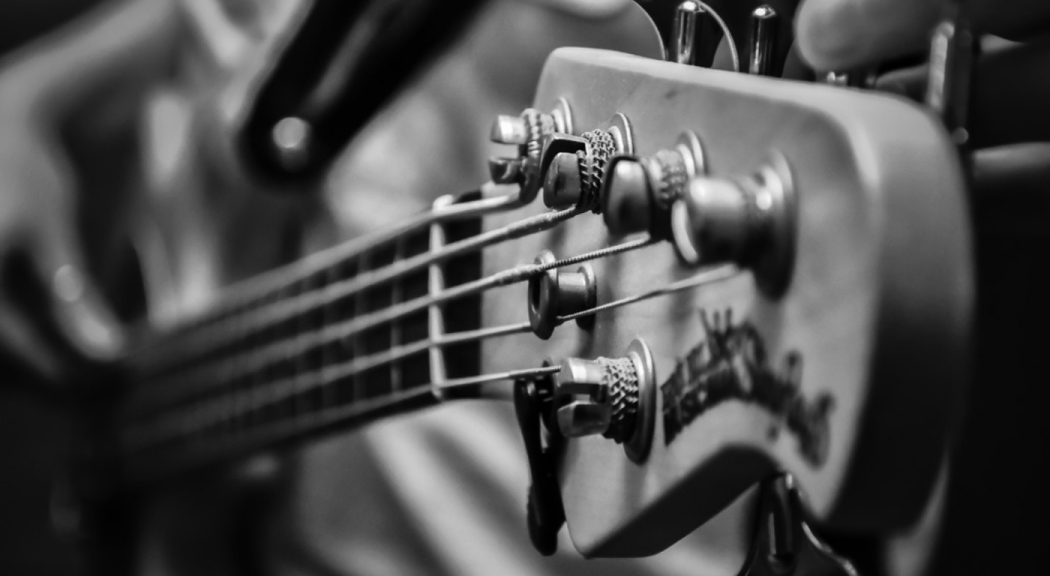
x: 57, y: 99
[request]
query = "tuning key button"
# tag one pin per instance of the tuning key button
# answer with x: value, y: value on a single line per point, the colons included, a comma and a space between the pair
x: 764, y: 23
x: 614, y: 397
x: 749, y: 221
x: 557, y: 293
x: 639, y: 191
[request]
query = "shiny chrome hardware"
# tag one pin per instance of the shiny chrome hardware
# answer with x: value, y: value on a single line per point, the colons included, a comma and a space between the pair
x: 526, y: 131
x: 574, y: 167
x: 638, y: 193
x: 860, y: 78
x: 614, y: 397
x: 764, y: 22
x: 291, y: 139
x: 509, y: 130
x: 688, y: 18
x: 559, y: 292
x: 750, y: 221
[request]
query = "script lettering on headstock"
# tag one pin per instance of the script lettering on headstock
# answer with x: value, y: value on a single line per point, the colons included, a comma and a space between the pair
x: 732, y: 364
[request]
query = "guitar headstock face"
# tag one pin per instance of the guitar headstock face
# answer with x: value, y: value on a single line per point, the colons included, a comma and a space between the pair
x: 828, y: 347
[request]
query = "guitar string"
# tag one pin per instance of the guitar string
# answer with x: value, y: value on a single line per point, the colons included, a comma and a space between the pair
x: 277, y: 353
x: 398, y: 269
x: 278, y: 390
x: 184, y: 349
x: 281, y: 390
x: 282, y: 277
x: 144, y: 466
x: 296, y: 346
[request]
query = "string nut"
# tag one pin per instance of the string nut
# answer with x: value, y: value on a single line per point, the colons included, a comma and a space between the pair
x: 559, y: 293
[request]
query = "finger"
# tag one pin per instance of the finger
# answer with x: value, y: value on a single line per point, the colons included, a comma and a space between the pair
x: 843, y: 34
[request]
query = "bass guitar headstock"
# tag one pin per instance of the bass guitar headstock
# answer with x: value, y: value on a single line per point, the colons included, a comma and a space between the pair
x: 777, y: 277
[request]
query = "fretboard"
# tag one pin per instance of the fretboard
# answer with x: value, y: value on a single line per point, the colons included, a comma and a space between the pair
x: 336, y: 342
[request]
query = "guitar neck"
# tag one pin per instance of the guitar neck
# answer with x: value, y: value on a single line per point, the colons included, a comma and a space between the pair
x: 367, y: 330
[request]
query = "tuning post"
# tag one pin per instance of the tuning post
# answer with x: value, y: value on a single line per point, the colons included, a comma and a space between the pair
x: 559, y: 292
x: 764, y: 23
x: 749, y: 221
x: 574, y: 167
x: 613, y: 397
x: 526, y: 131
x: 638, y: 193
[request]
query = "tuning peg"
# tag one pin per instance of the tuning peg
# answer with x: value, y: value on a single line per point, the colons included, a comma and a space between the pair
x: 574, y: 167
x: 639, y: 191
x: 509, y: 130
x: 526, y: 131
x: 614, y: 397
x: 559, y: 292
x: 764, y: 22
x: 688, y: 19
x: 749, y: 221
x: 563, y: 183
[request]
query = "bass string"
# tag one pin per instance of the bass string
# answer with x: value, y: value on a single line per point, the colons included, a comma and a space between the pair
x: 144, y: 463
x: 187, y: 420
x: 185, y: 346
x: 278, y: 279
x: 171, y: 422
x: 253, y: 361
